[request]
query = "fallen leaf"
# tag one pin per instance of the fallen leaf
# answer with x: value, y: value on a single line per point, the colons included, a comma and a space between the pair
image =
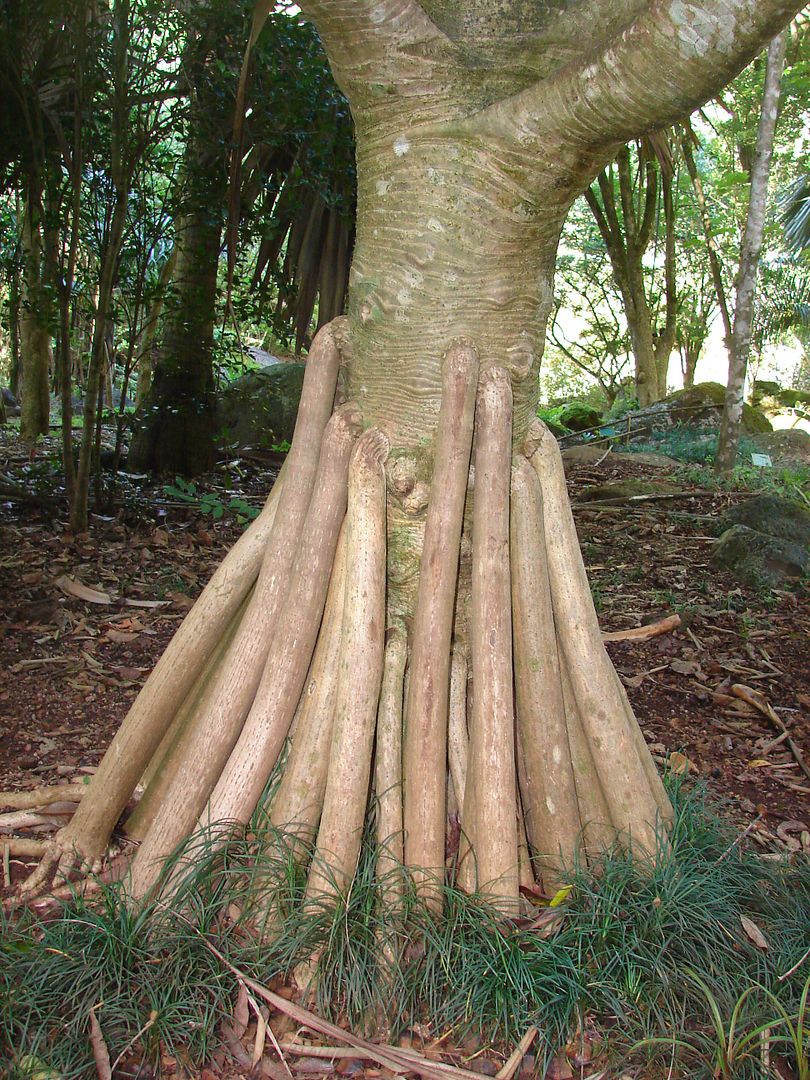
x: 147, y: 603
x: 559, y: 1069
x: 753, y: 932
x: 240, y: 1012
x: 687, y: 667
x: 679, y: 763
x: 75, y: 588
x: 561, y: 895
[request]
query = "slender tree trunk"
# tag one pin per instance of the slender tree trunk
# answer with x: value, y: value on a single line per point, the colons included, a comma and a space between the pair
x: 739, y: 351
x: 35, y: 333
x: 177, y: 414
x: 144, y: 362
x: 715, y: 263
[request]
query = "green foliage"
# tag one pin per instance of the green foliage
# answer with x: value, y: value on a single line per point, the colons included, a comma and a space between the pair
x: 210, y: 502
x: 623, y: 951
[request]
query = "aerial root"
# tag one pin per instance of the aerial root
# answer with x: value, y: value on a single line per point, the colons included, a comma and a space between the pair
x: 503, y: 748
x: 425, y: 722
x: 490, y: 794
x: 360, y: 668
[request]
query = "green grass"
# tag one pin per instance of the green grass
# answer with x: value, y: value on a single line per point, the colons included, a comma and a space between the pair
x: 656, y: 956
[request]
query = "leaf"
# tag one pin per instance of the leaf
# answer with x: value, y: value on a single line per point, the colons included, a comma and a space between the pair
x: 36, y: 1069
x: 75, y: 588
x: 679, y: 763
x: 101, y: 1054
x: 561, y: 895
x: 753, y: 932
x: 240, y: 1012
x: 147, y: 603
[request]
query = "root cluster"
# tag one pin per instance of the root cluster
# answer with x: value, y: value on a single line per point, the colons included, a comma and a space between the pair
x: 495, y: 746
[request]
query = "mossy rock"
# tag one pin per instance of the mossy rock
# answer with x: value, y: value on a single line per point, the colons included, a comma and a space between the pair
x: 261, y: 407
x: 784, y: 519
x: 787, y: 447
x: 578, y: 416
x: 624, y: 489
x: 759, y: 559
x: 704, y: 403
x: 792, y: 399
x: 764, y: 389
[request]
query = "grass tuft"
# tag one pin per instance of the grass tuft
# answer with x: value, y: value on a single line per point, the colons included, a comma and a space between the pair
x: 656, y: 957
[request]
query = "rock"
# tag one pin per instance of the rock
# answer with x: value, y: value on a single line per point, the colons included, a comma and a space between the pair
x: 655, y: 461
x: 789, y: 447
x: 764, y: 388
x: 12, y: 406
x: 702, y: 405
x: 260, y: 408
x: 263, y: 358
x: 759, y: 559
x: 578, y: 416
x: 624, y: 489
x: 583, y: 453
x: 781, y: 518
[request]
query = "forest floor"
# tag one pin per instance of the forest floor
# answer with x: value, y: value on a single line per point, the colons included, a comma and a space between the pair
x: 85, y: 619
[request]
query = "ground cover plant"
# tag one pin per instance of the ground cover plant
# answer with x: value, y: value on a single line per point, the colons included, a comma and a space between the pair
x: 637, y: 963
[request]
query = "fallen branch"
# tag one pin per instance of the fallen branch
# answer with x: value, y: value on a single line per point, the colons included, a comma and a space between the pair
x: 644, y: 633
x: 26, y: 819
x: 396, y: 1058
x: 41, y: 796
x: 25, y: 848
x: 761, y: 704
x: 624, y: 500
x: 511, y: 1065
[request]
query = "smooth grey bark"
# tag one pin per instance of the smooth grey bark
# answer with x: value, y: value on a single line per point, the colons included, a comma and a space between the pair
x: 740, y: 345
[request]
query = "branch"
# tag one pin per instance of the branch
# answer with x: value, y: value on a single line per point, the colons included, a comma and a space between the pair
x: 392, y: 41
x: 674, y: 56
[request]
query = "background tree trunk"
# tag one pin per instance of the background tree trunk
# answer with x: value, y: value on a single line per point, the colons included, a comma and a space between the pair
x: 35, y: 333
x: 750, y: 248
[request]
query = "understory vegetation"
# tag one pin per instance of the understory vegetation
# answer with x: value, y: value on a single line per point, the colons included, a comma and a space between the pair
x: 699, y: 960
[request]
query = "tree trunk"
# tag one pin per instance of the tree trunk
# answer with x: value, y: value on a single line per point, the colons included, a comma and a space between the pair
x: 176, y: 429
x: 177, y: 413
x: 35, y: 333
x: 740, y: 347
x: 144, y: 362
x: 429, y: 509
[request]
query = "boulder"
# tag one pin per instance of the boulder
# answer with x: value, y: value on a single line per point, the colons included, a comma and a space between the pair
x: 781, y: 518
x: 643, y: 457
x: 787, y: 447
x: 260, y: 408
x: 578, y: 416
x: 12, y: 406
x: 759, y: 559
x: 583, y: 454
x: 702, y: 405
x: 624, y: 490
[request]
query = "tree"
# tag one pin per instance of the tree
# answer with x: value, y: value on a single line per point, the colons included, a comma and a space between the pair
x: 176, y: 432
x: 627, y: 225
x: 740, y: 344
x: 476, y: 126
